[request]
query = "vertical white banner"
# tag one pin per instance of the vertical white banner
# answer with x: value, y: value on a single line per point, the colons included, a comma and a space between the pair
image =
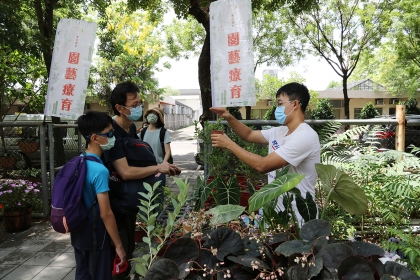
x: 232, y: 59
x: 70, y: 66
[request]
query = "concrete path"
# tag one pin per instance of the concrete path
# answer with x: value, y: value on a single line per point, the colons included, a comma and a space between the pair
x: 41, y: 253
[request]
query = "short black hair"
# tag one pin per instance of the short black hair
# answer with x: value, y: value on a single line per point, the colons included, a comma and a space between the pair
x: 120, y: 92
x: 296, y: 91
x: 93, y: 122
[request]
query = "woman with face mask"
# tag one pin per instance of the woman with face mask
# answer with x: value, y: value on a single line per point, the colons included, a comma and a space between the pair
x: 152, y: 135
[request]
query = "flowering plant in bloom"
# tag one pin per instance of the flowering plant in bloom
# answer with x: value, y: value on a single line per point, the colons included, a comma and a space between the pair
x: 16, y: 194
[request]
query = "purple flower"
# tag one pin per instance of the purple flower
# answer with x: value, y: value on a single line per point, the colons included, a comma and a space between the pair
x: 27, y: 191
x: 19, y: 204
x: 13, y: 185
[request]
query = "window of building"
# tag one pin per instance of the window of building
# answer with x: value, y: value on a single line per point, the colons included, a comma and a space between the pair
x: 357, y: 112
x: 336, y: 103
x: 368, y: 85
x: 392, y: 111
x: 379, y: 110
x: 258, y: 114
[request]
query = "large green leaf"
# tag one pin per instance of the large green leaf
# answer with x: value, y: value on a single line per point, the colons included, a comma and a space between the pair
x: 333, y: 254
x: 306, y: 207
x: 162, y: 269
x: 248, y: 261
x: 225, y: 213
x: 342, y: 189
x: 356, y: 267
x: 228, y: 192
x: 273, y: 190
x: 226, y: 241
x: 292, y: 247
x: 206, y: 189
x: 365, y: 249
x: 400, y: 271
x: 314, y: 229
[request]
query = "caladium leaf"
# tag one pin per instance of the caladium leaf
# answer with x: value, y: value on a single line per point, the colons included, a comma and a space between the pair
x: 273, y: 190
x: 342, y: 189
x: 225, y: 213
x: 228, y: 192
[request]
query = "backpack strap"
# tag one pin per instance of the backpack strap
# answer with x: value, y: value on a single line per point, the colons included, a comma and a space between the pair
x: 95, y: 217
x: 162, y: 139
x: 142, y: 132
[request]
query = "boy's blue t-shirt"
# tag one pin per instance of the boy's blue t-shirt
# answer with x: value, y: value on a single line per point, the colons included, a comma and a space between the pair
x: 96, y: 181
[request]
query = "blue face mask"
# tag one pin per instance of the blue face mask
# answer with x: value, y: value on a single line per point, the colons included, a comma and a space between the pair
x: 111, y: 142
x: 135, y: 113
x: 280, y: 115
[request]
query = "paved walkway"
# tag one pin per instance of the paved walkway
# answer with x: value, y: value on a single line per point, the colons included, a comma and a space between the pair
x: 42, y: 253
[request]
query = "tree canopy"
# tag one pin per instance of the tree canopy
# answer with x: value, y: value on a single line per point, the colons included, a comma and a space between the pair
x: 340, y: 31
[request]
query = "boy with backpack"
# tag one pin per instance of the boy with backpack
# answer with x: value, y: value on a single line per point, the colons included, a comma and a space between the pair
x: 92, y: 243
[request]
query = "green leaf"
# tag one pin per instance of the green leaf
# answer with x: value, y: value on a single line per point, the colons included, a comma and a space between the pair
x: 147, y: 196
x: 143, y: 209
x: 289, y: 248
x: 306, y: 207
x: 206, y: 190
x: 142, y: 217
x: 148, y: 188
x: 342, y: 189
x: 141, y: 269
x: 162, y: 269
x: 225, y: 213
x: 228, y: 192
x: 273, y: 190
x: 183, y: 186
x: 314, y: 229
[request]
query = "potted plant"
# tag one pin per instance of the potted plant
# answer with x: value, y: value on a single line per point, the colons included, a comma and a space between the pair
x: 30, y: 174
x: 7, y: 160
x: 17, y: 198
x: 29, y: 142
x: 262, y: 251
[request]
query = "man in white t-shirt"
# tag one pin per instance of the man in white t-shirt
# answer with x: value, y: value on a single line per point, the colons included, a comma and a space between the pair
x: 295, y: 143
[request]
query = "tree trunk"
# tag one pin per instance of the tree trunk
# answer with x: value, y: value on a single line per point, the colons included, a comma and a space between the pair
x: 247, y: 112
x: 45, y: 24
x: 204, y: 78
x: 346, y: 99
x: 201, y: 14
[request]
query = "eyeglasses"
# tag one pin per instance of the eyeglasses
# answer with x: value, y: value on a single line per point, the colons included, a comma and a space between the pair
x: 109, y: 134
x: 133, y: 107
x: 282, y: 102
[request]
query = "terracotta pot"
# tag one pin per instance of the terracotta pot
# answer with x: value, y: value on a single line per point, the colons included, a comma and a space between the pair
x: 210, y: 179
x: 139, y: 234
x: 243, y: 200
x: 217, y: 132
x: 244, y: 186
x: 28, y: 147
x: 7, y: 162
x: 15, y: 221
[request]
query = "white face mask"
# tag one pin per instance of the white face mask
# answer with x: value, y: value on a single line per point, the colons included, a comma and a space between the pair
x: 109, y: 145
x: 152, y: 118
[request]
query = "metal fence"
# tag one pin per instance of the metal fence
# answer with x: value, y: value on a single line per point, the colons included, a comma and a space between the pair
x: 378, y: 132
x: 15, y: 156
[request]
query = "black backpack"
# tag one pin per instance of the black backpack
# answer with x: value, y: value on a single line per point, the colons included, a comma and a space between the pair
x: 162, y: 138
x: 124, y: 195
